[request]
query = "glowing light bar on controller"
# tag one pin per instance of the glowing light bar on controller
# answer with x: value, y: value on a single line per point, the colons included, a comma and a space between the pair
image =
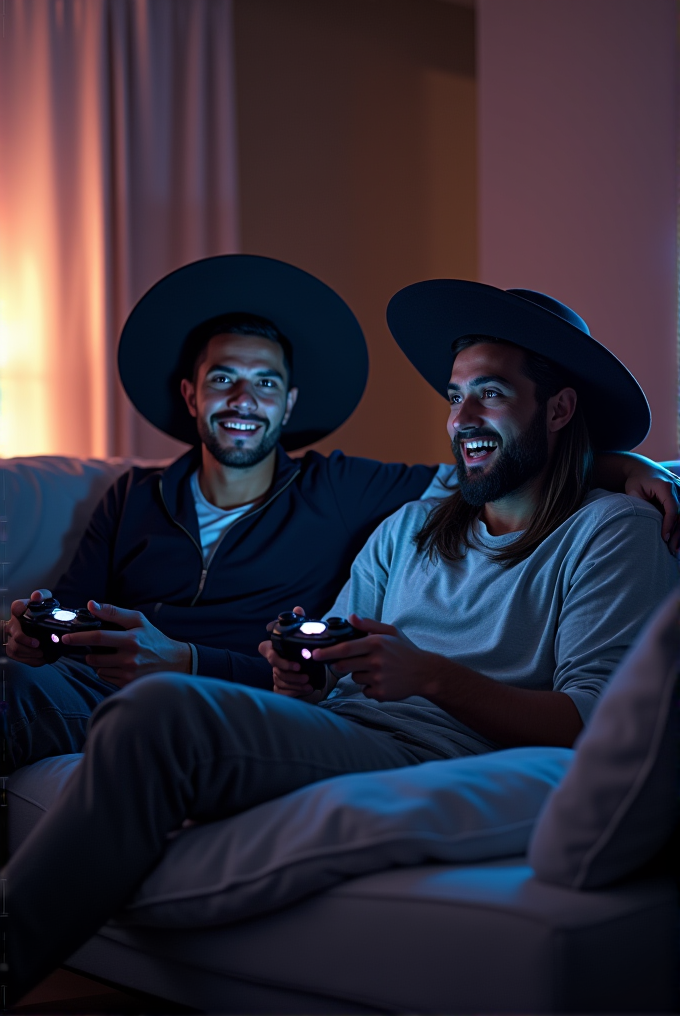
x: 305, y: 654
x: 312, y: 627
x: 55, y: 638
x: 63, y: 615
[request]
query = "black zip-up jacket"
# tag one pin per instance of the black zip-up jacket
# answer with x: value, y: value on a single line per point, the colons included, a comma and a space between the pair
x: 142, y: 550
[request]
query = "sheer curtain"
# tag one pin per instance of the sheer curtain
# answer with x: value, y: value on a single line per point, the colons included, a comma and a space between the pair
x: 117, y: 165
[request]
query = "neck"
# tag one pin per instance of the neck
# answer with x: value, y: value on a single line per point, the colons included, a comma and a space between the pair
x: 513, y: 513
x: 229, y: 487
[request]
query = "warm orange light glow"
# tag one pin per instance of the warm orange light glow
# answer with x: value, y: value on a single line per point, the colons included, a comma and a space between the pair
x: 53, y: 397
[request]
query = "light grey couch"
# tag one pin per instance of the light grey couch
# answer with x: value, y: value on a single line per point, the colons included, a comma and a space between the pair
x: 475, y: 936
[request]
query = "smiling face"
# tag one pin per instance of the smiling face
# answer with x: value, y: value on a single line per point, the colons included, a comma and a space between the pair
x: 240, y: 398
x: 499, y: 433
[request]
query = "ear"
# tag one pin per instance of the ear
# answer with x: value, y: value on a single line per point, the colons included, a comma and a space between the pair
x: 291, y: 399
x: 188, y: 390
x: 561, y: 408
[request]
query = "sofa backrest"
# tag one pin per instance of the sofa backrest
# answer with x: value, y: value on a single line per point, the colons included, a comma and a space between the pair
x: 45, y: 504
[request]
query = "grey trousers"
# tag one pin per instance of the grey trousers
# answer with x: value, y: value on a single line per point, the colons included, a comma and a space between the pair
x: 165, y: 748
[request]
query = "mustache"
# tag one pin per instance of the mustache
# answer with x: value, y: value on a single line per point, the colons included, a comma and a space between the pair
x: 241, y: 417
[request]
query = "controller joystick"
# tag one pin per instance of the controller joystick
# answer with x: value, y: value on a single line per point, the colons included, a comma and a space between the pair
x: 47, y: 621
x: 295, y: 637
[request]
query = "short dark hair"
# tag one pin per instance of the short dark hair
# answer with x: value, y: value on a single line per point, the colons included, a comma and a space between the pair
x: 231, y: 324
x: 447, y: 531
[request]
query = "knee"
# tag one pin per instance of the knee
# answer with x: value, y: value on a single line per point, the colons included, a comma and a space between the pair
x: 158, y: 701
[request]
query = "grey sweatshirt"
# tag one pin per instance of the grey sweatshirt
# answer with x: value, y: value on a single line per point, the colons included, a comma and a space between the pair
x: 562, y: 619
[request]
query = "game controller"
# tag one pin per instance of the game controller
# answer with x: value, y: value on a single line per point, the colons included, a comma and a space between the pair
x: 295, y: 637
x: 47, y: 621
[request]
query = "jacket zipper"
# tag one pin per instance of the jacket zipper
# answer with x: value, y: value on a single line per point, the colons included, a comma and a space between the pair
x: 248, y: 515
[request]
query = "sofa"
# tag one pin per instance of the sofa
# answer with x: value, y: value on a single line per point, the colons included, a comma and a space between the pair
x: 409, y: 891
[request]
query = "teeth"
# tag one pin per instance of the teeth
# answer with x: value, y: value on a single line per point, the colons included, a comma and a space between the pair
x: 233, y: 425
x: 484, y: 443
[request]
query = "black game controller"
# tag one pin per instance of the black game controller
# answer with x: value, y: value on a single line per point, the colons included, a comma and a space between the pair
x: 47, y: 621
x: 294, y: 637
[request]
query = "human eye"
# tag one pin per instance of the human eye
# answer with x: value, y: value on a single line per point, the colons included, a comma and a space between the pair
x: 219, y: 378
x: 491, y: 393
x: 455, y: 398
x: 268, y: 382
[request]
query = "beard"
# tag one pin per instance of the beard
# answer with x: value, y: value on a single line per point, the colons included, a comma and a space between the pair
x: 238, y: 458
x: 518, y: 462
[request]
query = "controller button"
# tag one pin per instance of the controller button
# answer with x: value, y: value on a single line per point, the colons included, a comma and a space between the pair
x: 55, y: 638
x: 84, y: 614
x: 288, y: 617
x: 336, y: 622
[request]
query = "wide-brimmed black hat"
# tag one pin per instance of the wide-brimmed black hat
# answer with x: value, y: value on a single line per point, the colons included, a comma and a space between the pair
x: 330, y: 360
x: 427, y: 317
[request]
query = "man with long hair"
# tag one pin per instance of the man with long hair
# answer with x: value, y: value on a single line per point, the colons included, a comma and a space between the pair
x: 493, y: 618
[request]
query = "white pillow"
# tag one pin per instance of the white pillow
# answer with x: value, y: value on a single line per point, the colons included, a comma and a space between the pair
x: 469, y: 809
x: 618, y: 804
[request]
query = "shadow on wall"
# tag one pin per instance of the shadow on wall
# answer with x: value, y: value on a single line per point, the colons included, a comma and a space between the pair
x: 357, y: 162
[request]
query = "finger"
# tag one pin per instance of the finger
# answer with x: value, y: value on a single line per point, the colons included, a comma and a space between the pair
x: 674, y: 539
x: 25, y: 640
x: 373, y: 627
x: 295, y: 679
x: 22, y: 655
x: 343, y: 651
x: 669, y: 507
x: 18, y: 607
x: 113, y: 639
x: 118, y: 615
x: 41, y: 594
x: 299, y: 610
x: 271, y: 656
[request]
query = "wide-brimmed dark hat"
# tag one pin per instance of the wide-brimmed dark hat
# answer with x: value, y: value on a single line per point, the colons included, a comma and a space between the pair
x: 330, y: 360
x: 427, y: 317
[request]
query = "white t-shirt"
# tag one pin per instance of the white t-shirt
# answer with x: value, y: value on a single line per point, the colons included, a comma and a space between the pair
x: 213, y: 521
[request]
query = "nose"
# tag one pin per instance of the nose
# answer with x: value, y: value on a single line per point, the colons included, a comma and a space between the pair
x: 465, y: 415
x: 242, y: 396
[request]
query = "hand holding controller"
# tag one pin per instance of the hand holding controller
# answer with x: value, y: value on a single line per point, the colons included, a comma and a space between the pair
x: 46, y: 621
x: 295, y: 637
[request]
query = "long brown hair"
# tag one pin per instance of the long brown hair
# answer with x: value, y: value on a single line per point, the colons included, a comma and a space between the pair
x: 447, y: 531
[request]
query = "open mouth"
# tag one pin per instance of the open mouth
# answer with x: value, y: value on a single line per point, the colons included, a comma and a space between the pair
x: 478, y: 450
x: 243, y: 428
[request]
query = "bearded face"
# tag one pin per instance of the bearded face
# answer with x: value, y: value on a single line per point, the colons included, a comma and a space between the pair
x: 514, y: 463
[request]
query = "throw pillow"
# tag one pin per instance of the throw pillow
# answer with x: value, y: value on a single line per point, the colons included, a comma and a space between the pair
x: 617, y: 805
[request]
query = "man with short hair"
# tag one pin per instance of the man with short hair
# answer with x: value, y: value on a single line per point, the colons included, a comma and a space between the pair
x: 492, y: 619
x: 241, y: 357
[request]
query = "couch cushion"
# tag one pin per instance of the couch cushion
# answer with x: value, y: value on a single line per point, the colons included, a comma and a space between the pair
x: 478, y: 938
x: 459, y: 810
x: 49, y: 500
x: 618, y: 804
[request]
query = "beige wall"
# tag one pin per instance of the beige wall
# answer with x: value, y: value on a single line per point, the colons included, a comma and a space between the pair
x: 578, y: 188
x: 357, y: 162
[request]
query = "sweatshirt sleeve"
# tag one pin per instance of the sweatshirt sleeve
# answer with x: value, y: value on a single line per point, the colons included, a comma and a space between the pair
x: 603, y: 610
x: 238, y: 668
x: 367, y: 491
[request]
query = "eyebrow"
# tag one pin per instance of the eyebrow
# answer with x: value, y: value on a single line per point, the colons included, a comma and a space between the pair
x: 483, y: 379
x: 266, y: 372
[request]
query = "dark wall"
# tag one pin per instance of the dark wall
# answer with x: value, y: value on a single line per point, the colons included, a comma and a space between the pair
x: 357, y: 162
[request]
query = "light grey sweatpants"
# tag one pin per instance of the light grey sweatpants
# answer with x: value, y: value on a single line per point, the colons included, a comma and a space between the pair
x: 166, y: 748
